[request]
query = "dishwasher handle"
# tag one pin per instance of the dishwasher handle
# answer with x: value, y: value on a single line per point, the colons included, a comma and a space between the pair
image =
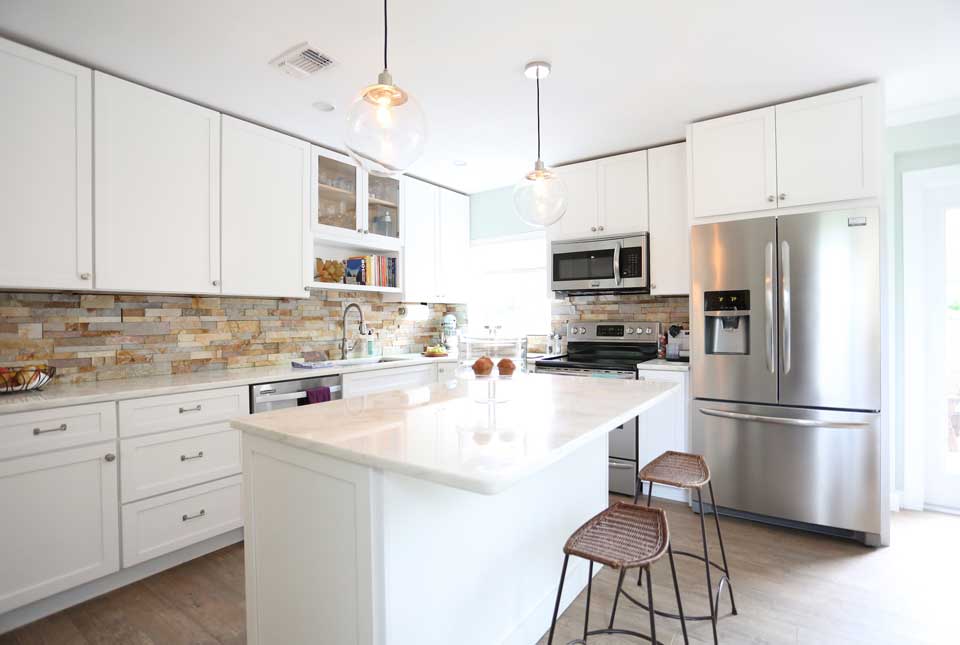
x: 291, y: 396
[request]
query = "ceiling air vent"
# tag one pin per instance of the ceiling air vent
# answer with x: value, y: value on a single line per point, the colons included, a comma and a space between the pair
x: 301, y: 61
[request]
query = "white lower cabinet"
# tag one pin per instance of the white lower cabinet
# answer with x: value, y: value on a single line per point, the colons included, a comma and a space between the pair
x: 160, y: 463
x: 163, y: 524
x: 399, y: 378
x: 665, y: 426
x: 59, y: 513
x: 446, y: 372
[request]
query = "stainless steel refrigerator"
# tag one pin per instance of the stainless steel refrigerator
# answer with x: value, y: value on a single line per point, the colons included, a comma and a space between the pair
x: 785, y: 351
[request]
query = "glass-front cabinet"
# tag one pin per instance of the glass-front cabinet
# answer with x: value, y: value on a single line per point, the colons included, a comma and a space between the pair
x: 352, y: 207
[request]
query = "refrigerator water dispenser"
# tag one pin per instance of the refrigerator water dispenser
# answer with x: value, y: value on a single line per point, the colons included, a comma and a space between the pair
x: 726, y: 322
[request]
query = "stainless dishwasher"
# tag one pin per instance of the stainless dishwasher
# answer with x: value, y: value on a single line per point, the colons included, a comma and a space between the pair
x: 265, y: 397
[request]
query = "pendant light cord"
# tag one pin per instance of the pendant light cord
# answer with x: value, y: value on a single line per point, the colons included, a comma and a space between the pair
x: 385, y: 34
x: 538, y: 115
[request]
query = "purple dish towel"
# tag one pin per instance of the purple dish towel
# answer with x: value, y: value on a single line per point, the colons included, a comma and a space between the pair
x: 318, y: 394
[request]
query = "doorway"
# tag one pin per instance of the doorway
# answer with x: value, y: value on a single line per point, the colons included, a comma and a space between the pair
x: 931, y: 285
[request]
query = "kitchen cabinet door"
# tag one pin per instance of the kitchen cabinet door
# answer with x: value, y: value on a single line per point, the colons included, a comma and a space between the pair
x: 732, y: 164
x: 157, y: 197
x: 264, y: 211
x: 827, y: 147
x: 453, y: 273
x: 623, y: 194
x: 337, y: 211
x: 46, y: 125
x: 664, y: 426
x: 580, y: 220
x: 60, y: 521
x: 421, y: 204
x: 669, y: 227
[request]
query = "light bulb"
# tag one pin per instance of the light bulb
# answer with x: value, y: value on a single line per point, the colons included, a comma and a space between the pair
x: 386, y: 130
x: 541, y: 197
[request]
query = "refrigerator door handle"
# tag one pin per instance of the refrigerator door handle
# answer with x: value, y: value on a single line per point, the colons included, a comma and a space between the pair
x: 785, y: 299
x: 760, y: 418
x: 768, y: 306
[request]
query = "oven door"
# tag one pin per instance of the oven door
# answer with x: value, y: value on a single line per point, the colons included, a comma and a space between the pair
x: 601, y: 264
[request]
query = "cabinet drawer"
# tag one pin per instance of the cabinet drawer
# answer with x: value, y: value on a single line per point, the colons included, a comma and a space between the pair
x: 159, y: 413
x: 26, y: 433
x: 160, y: 463
x: 163, y: 524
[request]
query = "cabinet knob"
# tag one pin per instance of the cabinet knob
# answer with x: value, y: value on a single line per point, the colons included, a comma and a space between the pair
x: 653, y: 286
x: 599, y: 228
x: 365, y: 231
x: 783, y: 196
x: 84, y: 276
x: 110, y: 456
x: 771, y: 198
x: 593, y: 228
x: 216, y: 283
x: 359, y: 230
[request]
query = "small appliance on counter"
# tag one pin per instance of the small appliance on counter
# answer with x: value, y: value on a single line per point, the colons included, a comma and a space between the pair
x: 678, y: 344
x: 448, y: 333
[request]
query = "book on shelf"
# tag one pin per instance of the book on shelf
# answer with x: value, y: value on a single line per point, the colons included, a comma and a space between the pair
x: 371, y: 270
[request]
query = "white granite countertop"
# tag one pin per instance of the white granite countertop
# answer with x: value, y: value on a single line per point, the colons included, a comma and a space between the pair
x: 664, y: 365
x: 447, y: 433
x: 54, y: 396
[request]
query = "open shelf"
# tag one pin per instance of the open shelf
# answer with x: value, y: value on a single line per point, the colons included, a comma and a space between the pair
x: 376, y: 243
x: 339, y: 286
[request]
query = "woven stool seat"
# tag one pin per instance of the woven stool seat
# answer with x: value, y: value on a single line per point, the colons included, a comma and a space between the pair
x: 679, y: 469
x: 623, y: 536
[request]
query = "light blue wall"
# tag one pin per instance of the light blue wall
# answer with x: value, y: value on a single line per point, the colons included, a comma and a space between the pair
x: 492, y: 215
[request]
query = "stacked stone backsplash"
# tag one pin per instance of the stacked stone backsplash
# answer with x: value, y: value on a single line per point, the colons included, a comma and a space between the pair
x: 90, y: 337
x: 667, y: 310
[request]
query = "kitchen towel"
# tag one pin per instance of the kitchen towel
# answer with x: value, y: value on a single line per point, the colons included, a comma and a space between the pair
x: 318, y: 394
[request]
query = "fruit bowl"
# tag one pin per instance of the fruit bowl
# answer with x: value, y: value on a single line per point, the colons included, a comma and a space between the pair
x: 24, y: 379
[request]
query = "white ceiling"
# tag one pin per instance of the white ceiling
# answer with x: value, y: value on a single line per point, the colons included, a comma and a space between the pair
x: 627, y: 73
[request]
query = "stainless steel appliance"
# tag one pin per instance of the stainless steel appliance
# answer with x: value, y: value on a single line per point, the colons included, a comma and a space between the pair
x: 609, y: 350
x: 785, y: 341
x: 265, y: 397
x: 601, y: 264
x: 678, y: 344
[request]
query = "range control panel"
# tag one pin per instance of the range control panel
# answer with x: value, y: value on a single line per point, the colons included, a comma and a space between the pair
x: 634, y: 331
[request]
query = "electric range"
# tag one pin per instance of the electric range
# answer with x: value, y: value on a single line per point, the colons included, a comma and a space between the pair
x: 609, y: 350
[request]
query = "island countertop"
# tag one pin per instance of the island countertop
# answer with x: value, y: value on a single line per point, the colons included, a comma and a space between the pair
x: 449, y: 433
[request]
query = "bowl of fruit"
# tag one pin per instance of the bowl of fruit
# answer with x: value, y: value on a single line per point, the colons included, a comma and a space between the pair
x: 435, y: 351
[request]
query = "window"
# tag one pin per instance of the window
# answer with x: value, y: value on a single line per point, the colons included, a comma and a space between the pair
x: 508, y: 285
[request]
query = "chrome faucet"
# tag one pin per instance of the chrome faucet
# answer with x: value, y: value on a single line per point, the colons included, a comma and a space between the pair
x: 343, y: 340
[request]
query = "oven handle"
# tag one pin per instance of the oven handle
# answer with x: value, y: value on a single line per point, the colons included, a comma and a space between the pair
x: 616, y: 262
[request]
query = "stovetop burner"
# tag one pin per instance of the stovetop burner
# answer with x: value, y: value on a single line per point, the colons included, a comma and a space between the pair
x: 617, y: 346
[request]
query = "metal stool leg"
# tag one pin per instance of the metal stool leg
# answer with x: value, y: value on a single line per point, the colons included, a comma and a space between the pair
x: 639, y: 492
x: 556, y: 607
x: 616, y: 596
x: 723, y: 554
x: 586, y: 618
x: 706, y: 559
x: 676, y: 590
x: 653, y: 622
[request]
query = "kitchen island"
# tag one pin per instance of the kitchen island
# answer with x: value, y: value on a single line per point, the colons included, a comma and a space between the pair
x: 429, y: 515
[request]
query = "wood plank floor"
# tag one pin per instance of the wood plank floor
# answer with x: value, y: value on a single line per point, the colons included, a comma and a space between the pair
x: 790, y: 587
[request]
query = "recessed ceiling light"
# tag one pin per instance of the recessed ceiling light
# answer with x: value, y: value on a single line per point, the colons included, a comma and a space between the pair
x: 460, y: 163
x: 323, y: 106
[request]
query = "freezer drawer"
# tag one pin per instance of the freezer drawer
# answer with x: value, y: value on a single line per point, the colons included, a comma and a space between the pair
x: 815, y: 466
x: 623, y: 476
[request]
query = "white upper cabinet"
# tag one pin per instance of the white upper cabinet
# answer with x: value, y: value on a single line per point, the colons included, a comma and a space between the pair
x: 827, y: 147
x: 817, y: 150
x: 580, y: 220
x: 157, y: 196
x: 46, y: 223
x: 265, y: 204
x: 453, y: 270
x: 421, y: 205
x: 669, y: 228
x: 733, y: 163
x: 623, y: 194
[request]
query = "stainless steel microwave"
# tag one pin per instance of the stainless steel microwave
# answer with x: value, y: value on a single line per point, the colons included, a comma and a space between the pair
x: 601, y: 264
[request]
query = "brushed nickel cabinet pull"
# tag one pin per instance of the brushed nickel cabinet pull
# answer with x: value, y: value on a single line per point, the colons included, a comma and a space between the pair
x: 60, y: 428
x: 188, y: 458
x: 187, y: 518
x: 84, y: 276
x: 771, y: 198
x: 195, y: 408
x: 110, y: 456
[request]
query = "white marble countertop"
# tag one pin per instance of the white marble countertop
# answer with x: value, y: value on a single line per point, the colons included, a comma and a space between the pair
x: 664, y: 365
x: 54, y: 396
x: 447, y: 433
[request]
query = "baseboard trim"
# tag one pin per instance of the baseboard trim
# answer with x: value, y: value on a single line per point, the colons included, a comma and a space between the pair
x: 70, y: 597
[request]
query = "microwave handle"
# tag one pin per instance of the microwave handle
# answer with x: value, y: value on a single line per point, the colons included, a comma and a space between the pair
x: 616, y: 262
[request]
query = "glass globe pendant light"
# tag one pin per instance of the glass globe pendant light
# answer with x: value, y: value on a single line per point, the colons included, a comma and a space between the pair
x: 385, y: 130
x: 540, y: 198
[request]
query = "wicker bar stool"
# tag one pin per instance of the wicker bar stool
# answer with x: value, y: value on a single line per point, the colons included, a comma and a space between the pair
x: 624, y: 536
x: 685, y: 470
